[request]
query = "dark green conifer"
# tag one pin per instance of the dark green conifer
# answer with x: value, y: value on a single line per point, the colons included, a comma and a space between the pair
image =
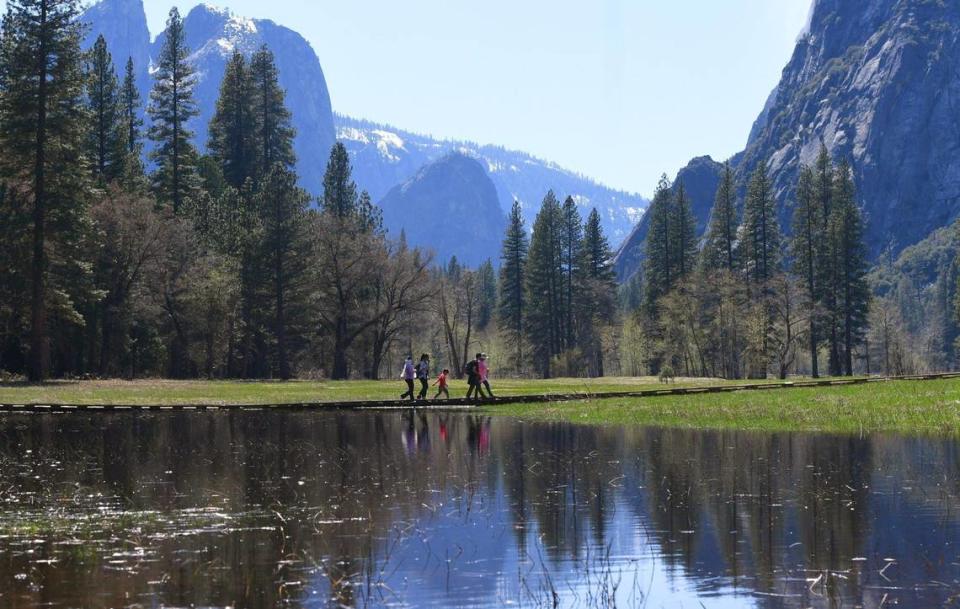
x: 171, y: 107
x: 761, y: 231
x: 849, y: 252
x: 571, y: 237
x: 513, y: 262
x: 806, y: 247
x: 544, y: 283
x: 274, y: 132
x: 719, y: 250
x: 339, y: 190
x: 232, y: 142
x: 42, y: 121
x: 684, y: 237
x: 658, y: 272
x: 286, y: 253
x: 106, y: 146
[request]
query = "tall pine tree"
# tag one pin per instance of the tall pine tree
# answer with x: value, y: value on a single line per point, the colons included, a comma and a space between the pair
x: 571, y: 237
x: 597, y: 290
x: 849, y: 252
x: 339, y: 189
x: 232, y: 142
x: 544, y: 285
x: 106, y: 146
x: 658, y: 272
x: 806, y: 246
x: 513, y: 263
x: 827, y: 265
x: 286, y: 253
x: 719, y: 251
x: 761, y: 231
x: 131, y: 123
x: 273, y: 129
x: 42, y: 122
x: 176, y: 180
x: 684, y: 237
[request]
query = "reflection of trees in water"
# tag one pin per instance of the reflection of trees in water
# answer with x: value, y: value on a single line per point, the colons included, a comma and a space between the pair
x: 336, y: 493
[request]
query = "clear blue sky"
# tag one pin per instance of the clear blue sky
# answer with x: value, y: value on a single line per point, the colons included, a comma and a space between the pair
x: 620, y: 90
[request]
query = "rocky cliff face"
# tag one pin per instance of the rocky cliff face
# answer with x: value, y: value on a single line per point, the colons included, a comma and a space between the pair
x: 383, y: 156
x: 450, y: 207
x: 877, y: 82
x: 213, y: 34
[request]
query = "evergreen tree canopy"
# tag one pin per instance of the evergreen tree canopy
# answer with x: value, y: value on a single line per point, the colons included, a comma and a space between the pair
x: 806, y: 246
x: 849, y: 252
x: 42, y: 123
x: 571, y: 238
x: 761, y: 232
x: 131, y: 124
x: 339, y: 189
x: 232, y: 142
x: 719, y: 250
x: 513, y: 262
x: 171, y: 107
x: 106, y: 146
x: 544, y: 285
x: 273, y: 128
x: 597, y: 255
x: 130, y: 100
x: 684, y: 237
x: 659, y: 263
x: 287, y: 250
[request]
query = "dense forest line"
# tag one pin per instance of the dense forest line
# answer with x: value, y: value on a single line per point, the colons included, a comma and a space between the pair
x: 220, y: 265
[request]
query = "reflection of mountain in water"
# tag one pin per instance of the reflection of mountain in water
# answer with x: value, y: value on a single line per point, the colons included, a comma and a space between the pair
x: 371, y: 509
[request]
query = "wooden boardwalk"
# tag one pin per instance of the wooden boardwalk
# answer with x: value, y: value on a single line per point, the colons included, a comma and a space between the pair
x: 464, y: 404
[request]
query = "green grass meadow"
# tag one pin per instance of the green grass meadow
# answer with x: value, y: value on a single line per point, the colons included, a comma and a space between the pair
x: 920, y: 407
x: 213, y: 393
x: 915, y: 407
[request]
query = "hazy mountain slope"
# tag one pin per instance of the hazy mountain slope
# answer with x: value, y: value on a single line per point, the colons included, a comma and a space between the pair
x: 450, y: 207
x: 383, y: 156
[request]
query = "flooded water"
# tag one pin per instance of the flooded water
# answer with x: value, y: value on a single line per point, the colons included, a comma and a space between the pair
x: 382, y: 509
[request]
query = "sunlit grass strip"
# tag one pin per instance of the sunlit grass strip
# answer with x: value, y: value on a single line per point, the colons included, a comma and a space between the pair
x: 220, y: 393
x: 930, y: 408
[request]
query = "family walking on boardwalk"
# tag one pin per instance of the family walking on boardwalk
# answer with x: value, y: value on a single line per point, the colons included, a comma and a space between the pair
x: 477, y: 372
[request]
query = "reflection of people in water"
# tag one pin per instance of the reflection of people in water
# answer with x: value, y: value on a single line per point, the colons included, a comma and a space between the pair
x: 423, y: 435
x: 478, y: 434
x: 444, y: 433
x: 415, y: 438
x: 409, y: 435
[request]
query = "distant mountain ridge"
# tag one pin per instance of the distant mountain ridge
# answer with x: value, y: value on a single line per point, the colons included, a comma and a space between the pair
x: 450, y: 206
x: 384, y: 156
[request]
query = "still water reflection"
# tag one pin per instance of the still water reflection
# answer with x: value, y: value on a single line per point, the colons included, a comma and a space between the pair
x: 377, y: 509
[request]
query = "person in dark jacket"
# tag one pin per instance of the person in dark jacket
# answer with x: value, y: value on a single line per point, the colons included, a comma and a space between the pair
x: 475, y: 390
x: 423, y: 375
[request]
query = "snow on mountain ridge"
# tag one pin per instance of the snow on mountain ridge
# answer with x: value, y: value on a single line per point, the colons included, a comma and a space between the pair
x: 380, y: 163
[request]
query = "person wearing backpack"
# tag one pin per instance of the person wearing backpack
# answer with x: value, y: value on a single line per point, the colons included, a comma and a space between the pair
x: 473, y: 378
x: 423, y: 375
